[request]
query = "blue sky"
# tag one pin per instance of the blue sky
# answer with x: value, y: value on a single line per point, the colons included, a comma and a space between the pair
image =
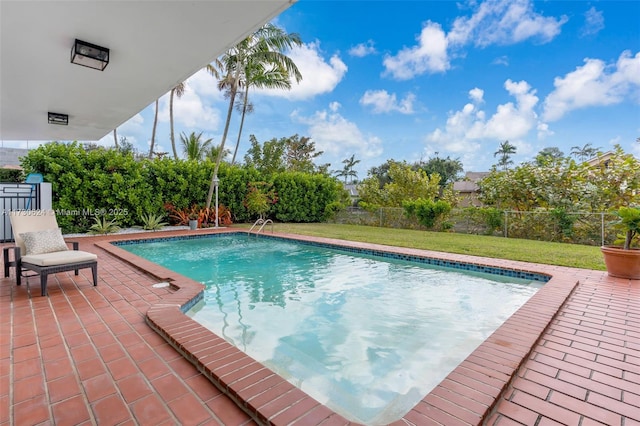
x: 409, y: 79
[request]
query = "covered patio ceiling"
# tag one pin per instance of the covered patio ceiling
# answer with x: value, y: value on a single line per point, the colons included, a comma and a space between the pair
x: 154, y: 45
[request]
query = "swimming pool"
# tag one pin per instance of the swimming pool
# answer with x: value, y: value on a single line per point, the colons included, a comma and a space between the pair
x: 369, y: 341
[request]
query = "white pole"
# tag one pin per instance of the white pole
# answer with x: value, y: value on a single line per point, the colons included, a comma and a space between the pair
x: 216, y: 182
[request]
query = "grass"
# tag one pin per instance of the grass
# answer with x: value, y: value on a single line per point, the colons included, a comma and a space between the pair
x: 572, y: 255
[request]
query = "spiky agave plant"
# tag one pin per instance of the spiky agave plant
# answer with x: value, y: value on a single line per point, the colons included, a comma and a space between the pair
x: 103, y: 225
x: 152, y: 222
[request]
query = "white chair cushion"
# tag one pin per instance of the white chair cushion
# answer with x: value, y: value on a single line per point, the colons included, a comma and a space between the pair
x: 47, y: 241
x: 59, y: 258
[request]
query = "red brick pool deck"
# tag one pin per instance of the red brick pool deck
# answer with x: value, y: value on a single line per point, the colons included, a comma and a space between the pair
x: 122, y: 353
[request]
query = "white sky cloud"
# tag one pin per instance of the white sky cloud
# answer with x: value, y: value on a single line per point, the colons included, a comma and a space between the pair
x: 363, y: 49
x: 318, y: 75
x: 383, y: 102
x: 476, y: 95
x: 594, y: 84
x: 428, y: 56
x: 501, y: 22
x: 504, y: 22
x: 514, y: 121
x: 501, y: 60
x: 593, y: 22
x: 338, y: 137
x: 205, y: 85
x: 468, y: 129
x: 191, y: 111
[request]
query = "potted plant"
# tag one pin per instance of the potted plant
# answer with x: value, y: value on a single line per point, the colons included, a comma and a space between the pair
x: 624, y: 262
x: 193, y: 221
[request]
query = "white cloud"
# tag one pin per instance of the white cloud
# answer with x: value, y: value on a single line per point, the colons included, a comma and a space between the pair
x: 501, y: 60
x: 190, y: 110
x: 383, y: 102
x: 468, y: 129
x: 334, y: 106
x: 544, y: 131
x: 318, y: 75
x: 593, y: 22
x: 492, y: 22
x: 513, y: 121
x: 363, y: 49
x: 338, y: 137
x: 594, y: 84
x: 429, y: 55
x: 205, y: 85
x: 476, y: 95
x: 504, y: 22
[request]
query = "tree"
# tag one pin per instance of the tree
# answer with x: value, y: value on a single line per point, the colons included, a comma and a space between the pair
x: 505, y: 151
x: 566, y: 185
x: 127, y: 148
x: 299, y: 154
x: 153, y: 132
x: 194, y: 148
x: 267, y: 158
x: 405, y: 184
x: 176, y: 91
x: 585, y: 152
x: 548, y: 155
x: 348, y: 171
x: 271, y: 76
x: 115, y: 137
x: 214, y: 151
x: 381, y: 173
x: 449, y: 169
x: 294, y: 154
x: 265, y: 47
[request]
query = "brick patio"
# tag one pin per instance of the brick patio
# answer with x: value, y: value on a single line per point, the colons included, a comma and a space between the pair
x: 117, y: 354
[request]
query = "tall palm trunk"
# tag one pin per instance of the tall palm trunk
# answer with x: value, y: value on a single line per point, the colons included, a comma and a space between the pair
x: 115, y: 137
x: 153, y: 132
x: 173, y: 139
x: 232, y: 99
x: 244, y: 113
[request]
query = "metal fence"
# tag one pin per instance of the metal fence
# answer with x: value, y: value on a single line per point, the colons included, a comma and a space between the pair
x: 576, y: 227
x: 17, y: 196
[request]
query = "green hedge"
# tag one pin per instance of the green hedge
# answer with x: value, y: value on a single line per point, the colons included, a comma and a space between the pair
x: 113, y: 183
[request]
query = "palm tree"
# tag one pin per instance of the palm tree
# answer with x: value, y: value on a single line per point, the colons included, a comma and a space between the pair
x: 193, y: 147
x: 585, y: 152
x: 153, y: 132
x: 259, y: 76
x: 263, y: 47
x: 115, y: 137
x: 177, y: 91
x: 214, y: 151
x: 347, y: 171
x: 504, y: 151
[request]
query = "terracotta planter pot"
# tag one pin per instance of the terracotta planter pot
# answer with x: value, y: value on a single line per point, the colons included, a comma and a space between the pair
x: 622, y: 263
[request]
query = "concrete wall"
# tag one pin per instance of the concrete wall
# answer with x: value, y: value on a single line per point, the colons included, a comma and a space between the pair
x: 11, y: 156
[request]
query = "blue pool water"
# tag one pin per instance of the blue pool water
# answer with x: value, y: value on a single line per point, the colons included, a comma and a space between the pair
x: 366, y: 335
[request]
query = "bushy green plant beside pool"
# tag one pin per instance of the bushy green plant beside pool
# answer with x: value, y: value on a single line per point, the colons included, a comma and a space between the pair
x: 114, y: 182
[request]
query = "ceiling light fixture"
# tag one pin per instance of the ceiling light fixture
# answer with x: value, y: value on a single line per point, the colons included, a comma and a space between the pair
x: 57, y: 118
x: 89, y: 55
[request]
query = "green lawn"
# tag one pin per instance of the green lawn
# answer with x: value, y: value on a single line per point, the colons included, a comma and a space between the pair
x: 572, y: 255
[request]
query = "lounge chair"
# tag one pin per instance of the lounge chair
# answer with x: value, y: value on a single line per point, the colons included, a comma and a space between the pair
x: 39, y: 247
